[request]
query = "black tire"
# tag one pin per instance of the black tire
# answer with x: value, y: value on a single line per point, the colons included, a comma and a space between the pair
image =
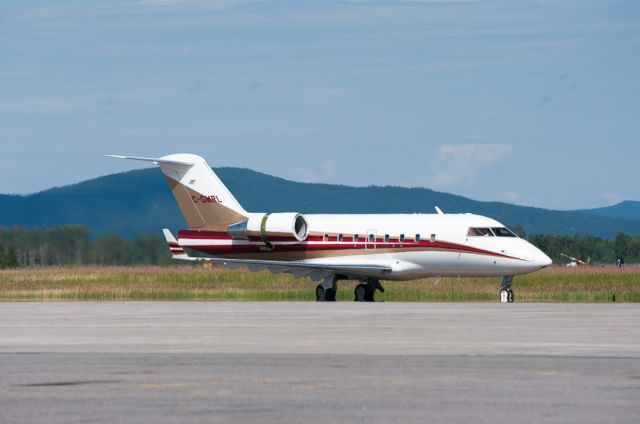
x: 321, y: 294
x: 360, y: 293
x: 370, y: 296
x: 330, y: 295
x: 510, y: 296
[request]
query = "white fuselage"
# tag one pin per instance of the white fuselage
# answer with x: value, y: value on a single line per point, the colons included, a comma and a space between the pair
x: 444, y: 245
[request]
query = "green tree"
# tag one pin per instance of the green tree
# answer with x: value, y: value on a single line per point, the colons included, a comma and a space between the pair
x: 11, y: 258
x: 519, y: 230
x: 621, y: 245
x: 110, y: 249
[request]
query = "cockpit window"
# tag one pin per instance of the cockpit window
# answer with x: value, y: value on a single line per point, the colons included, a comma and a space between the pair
x: 503, y: 232
x: 480, y: 232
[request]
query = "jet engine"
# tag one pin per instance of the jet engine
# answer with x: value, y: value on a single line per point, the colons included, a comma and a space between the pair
x: 271, y: 227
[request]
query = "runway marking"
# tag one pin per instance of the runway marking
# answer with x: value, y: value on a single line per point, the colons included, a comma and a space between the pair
x: 549, y: 373
x: 66, y: 383
x: 162, y: 386
x: 382, y: 378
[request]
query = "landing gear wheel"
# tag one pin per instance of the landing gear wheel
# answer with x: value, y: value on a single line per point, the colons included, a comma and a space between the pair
x: 506, y: 296
x: 330, y: 295
x: 360, y: 293
x: 320, y: 294
x: 364, y: 293
x: 369, y: 297
x: 325, y: 295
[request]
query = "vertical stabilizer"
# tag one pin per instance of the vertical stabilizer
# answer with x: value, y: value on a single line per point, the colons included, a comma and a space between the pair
x: 205, y: 202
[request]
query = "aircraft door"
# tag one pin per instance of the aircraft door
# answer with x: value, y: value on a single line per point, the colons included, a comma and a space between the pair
x: 370, y: 242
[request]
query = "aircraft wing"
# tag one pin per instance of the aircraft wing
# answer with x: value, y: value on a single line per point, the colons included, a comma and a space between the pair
x: 313, y: 270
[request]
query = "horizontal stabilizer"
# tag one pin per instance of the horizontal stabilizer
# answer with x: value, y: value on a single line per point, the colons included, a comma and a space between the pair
x: 154, y: 160
x: 177, y: 252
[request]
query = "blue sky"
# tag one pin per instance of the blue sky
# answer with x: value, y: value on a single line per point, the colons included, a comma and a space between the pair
x: 532, y: 102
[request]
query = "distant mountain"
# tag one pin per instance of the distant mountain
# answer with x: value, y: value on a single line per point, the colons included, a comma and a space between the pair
x: 628, y: 209
x: 140, y: 202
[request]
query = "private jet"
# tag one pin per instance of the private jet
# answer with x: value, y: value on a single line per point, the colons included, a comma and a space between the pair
x: 329, y: 248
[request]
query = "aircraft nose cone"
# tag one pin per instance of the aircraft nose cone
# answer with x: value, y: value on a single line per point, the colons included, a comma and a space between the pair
x: 543, y: 260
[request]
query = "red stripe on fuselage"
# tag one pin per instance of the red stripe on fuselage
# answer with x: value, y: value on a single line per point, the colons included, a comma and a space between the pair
x: 208, y: 235
x: 215, y: 249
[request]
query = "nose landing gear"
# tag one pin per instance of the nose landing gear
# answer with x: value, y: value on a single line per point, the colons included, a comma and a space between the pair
x: 506, y: 294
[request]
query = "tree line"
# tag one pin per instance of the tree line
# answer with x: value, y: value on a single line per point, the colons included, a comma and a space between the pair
x: 597, y: 249
x: 73, y: 245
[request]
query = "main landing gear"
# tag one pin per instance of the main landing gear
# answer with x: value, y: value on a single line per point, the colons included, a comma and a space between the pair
x: 325, y: 295
x: 506, y: 294
x: 364, y: 292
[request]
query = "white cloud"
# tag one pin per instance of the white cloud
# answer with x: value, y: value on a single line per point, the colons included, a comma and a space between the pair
x: 508, y: 196
x: 151, y: 7
x: 49, y: 105
x: 327, y: 173
x: 479, y: 136
x: 415, y: 1
x: 440, y: 1
x: 614, y: 197
x: 178, y: 5
x: 460, y: 165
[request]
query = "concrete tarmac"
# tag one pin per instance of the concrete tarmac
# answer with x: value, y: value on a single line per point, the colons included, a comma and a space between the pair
x: 182, y: 362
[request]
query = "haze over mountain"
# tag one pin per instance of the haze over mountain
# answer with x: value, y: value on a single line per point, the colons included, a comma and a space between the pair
x: 629, y: 209
x: 140, y: 202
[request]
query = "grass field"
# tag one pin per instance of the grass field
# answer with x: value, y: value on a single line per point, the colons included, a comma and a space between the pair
x: 555, y: 284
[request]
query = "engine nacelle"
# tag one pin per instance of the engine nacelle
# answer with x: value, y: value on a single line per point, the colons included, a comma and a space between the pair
x: 272, y: 227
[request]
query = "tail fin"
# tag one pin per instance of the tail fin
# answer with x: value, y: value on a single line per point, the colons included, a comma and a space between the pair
x: 204, y: 200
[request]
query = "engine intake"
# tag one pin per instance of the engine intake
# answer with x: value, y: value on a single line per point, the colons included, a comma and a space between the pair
x: 272, y: 227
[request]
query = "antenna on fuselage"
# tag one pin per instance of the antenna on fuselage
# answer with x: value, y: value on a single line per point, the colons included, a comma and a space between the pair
x: 439, y: 211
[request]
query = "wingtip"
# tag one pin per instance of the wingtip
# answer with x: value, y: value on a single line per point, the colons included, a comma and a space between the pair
x: 169, y: 236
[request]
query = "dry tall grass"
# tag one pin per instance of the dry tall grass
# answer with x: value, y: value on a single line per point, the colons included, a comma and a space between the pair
x: 555, y: 284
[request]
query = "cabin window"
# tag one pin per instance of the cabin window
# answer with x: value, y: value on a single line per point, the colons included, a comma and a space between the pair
x: 401, y: 238
x: 417, y: 238
x: 356, y: 238
x: 386, y: 238
x: 503, y: 232
x: 480, y: 232
x: 340, y: 237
